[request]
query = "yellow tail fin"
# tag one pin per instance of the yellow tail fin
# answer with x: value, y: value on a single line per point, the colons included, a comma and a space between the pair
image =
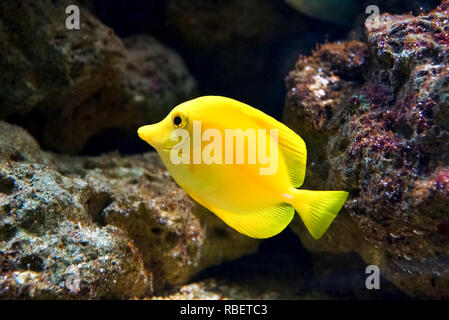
x: 318, y: 209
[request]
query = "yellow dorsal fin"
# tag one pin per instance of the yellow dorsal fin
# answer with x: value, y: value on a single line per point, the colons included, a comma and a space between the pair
x: 291, y: 145
x: 294, y: 151
x: 259, y: 224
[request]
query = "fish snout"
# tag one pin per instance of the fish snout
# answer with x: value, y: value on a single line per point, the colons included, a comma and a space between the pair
x: 150, y: 134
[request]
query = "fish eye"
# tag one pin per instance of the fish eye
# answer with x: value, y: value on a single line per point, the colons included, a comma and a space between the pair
x: 178, y: 120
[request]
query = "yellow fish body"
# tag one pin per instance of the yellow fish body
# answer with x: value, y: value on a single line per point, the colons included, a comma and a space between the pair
x: 253, y: 191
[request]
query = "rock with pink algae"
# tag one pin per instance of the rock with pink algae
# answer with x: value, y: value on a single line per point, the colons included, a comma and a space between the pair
x: 99, y: 227
x: 67, y: 86
x: 375, y: 117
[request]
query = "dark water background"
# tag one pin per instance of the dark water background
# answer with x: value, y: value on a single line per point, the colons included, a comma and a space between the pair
x: 281, y: 258
x: 267, y: 62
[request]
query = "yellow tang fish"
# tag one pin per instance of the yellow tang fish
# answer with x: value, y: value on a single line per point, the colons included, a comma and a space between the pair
x: 242, y: 165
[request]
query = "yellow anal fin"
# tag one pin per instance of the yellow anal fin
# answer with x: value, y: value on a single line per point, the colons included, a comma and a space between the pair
x: 259, y: 224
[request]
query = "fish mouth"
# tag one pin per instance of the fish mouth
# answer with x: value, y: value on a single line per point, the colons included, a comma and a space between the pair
x: 149, y: 134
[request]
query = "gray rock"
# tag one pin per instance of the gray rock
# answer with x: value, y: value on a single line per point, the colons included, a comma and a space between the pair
x: 374, y: 117
x: 100, y: 227
x: 65, y: 86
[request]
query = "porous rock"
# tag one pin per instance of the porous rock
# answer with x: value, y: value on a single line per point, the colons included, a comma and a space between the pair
x: 374, y: 115
x: 66, y: 86
x: 99, y: 227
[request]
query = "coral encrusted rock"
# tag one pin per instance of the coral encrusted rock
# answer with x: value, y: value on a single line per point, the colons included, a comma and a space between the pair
x: 375, y: 117
x: 99, y: 227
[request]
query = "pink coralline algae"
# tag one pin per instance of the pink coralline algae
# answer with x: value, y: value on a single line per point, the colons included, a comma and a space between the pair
x: 380, y: 129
